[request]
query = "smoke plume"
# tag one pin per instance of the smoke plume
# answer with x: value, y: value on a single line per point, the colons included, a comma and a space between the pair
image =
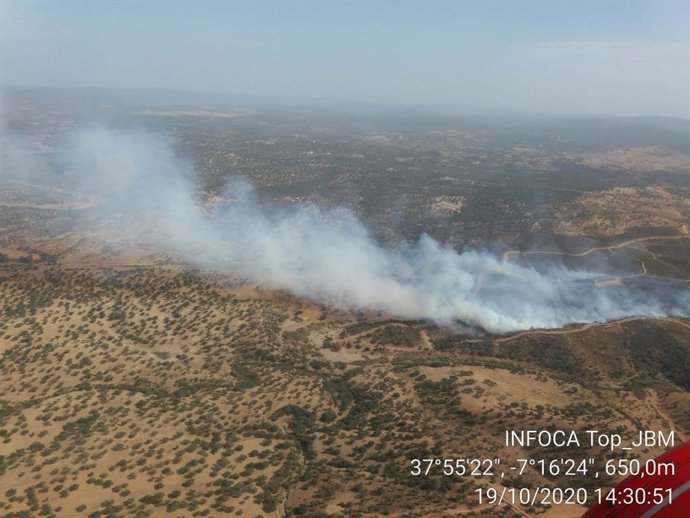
x: 328, y: 255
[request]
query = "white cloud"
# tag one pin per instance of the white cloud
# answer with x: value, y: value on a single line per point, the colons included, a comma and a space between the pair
x: 594, y: 52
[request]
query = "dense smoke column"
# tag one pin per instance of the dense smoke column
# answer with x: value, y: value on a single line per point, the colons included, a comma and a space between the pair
x: 328, y: 255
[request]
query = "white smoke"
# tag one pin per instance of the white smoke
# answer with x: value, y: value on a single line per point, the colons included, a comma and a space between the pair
x: 329, y: 256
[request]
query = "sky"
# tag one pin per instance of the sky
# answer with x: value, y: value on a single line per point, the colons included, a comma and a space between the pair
x: 627, y: 57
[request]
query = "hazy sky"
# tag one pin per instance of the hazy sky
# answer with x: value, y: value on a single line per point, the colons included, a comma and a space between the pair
x: 573, y: 56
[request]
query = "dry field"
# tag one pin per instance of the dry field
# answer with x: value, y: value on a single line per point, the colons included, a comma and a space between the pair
x: 140, y: 387
x: 609, y: 213
x: 646, y: 158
